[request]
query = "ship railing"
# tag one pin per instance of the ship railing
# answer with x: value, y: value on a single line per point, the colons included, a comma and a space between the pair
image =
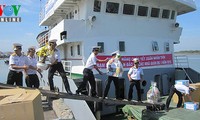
x: 67, y: 65
x: 43, y: 40
x: 181, y: 61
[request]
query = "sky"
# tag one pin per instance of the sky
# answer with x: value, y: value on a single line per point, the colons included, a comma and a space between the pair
x: 26, y: 31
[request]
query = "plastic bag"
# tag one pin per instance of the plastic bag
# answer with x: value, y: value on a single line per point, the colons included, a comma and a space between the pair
x: 153, y: 95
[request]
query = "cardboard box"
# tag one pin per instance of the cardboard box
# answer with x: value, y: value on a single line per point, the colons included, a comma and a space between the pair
x: 182, y: 82
x: 20, y: 104
x: 191, y: 106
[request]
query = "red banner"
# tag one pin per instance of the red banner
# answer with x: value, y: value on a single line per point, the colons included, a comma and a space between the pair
x: 145, y: 60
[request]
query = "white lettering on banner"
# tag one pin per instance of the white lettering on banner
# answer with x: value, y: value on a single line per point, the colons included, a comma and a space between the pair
x: 145, y: 60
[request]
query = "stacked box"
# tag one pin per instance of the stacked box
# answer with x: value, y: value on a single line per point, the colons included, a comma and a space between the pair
x: 182, y: 82
x: 20, y: 104
x: 191, y: 106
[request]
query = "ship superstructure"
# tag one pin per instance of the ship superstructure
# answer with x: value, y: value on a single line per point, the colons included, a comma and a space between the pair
x: 146, y: 29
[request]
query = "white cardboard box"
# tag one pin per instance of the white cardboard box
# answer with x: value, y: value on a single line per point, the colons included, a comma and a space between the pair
x: 191, y: 106
x: 182, y: 82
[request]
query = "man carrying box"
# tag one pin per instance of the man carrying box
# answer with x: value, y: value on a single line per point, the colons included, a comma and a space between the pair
x: 179, y: 89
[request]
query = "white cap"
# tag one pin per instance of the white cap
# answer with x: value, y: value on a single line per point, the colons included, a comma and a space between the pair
x: 136, y: 60
x: 115, y: 53
x: 53, y: 41
x: 16, y: 45
x: 32, y: 47
x: 96, y: 47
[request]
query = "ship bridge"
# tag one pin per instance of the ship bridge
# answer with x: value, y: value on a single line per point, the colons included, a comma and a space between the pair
x: 59, y: 9
x: 55, y: 9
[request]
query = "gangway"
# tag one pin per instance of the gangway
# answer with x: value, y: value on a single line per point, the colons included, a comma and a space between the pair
x: 83, y: 97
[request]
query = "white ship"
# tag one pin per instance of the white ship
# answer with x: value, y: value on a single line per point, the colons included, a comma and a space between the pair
x: 146, y: 29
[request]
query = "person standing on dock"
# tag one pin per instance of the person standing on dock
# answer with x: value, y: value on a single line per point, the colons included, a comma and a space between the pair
x: 17, y: 64
x: 56, y: 65
x: 88, y: 74
x: 31, y: 78
x: 115, y: 70
x: 135, y: 76
x: 179, y: 89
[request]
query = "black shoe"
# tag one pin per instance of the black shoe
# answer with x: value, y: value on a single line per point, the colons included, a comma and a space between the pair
x: 77, y: 92
x: 96, y: 96
x: 69, y: 92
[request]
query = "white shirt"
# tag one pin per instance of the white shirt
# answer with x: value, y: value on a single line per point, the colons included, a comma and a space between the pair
x: 18, y: 61
x: 91, y: 61
x: 182, y: 88
x: 54, y: 56
x: 32, y: 62
x: 135, y: 73
x: 113, y: 66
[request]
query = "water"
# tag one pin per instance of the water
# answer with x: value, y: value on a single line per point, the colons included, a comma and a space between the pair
x: 194, y: 63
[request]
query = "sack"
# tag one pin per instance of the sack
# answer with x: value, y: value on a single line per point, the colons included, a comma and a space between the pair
x: 153, y: 95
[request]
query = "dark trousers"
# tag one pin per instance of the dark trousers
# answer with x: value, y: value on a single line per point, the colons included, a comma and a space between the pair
x: 32, y: 81
x: 172, y: 91
x: 88, y: 76
x: 116, y: 83
x: 15, y: 78
x: 58, y: 67
x: 130, y: 92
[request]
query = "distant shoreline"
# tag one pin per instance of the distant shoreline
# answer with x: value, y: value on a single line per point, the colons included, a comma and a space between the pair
x: 188, y: 52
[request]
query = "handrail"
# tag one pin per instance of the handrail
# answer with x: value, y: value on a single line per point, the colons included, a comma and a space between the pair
x: 67, y: 65
x: 181, y: 61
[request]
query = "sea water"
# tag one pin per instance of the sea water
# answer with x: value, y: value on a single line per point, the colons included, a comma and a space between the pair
x: 194, y: 63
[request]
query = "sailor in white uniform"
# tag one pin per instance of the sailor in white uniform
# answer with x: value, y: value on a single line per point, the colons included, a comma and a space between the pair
x: 88, y: 74
x: 17, y: 64
x: 56, y: 65
x: 135, y: 76
x: 179, y: 89
x: 114, y: 71
x: 31, y: 78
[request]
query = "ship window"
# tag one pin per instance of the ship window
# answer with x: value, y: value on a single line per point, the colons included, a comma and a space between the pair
x: 97, y: 6
x: 155, y: 12
x: 166, y: 47
x: 102, y: 46
x: 78, y: 50
x: 72, y: 52
x: 173, y: 14
x: 112, y: 7
x: 121, y: 46
x: 165, y: 14
x: 142, y: 11
x: 155, y: 46
x: 128, y: 9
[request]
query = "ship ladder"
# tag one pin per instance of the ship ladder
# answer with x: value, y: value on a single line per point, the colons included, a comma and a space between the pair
x: 181, y: 61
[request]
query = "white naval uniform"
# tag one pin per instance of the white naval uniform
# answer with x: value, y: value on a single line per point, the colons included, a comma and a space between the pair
x: 32, y: 62
x: 91, y: 61
x: 54, y: 56
x: 135, y: 73
x: 18, y: 61
x: 182, y: 88
x: 111, y: 68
